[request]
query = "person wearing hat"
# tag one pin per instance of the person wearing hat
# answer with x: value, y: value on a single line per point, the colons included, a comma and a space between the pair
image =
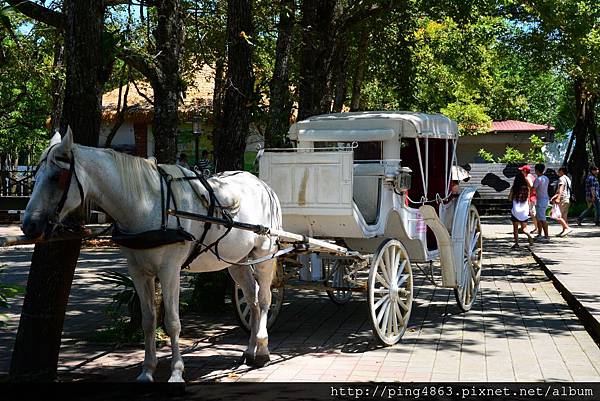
x: 532, y: 200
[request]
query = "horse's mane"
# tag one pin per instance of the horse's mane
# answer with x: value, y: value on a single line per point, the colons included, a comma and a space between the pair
x: 139, y: 176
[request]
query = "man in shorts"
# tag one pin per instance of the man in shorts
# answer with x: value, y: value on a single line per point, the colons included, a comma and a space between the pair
x: 563, y: 198
x: 541, y: 187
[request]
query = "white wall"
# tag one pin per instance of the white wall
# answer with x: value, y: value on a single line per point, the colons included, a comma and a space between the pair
x: 124, y: 136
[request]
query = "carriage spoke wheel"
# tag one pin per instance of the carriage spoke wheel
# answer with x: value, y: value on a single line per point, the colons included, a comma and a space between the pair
x: 390, y: 288
x: 242, y: 309
x: 337, y: 269
x: 466, y: 292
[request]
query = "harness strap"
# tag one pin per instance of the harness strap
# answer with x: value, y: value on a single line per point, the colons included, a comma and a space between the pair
x: 163, y: 211
x: 262, y: 259
x: 61, y: 204
x: 169, y: 197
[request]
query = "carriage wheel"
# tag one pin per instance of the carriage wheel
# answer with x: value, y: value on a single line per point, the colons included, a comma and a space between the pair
x: 466, y: 291
x: 242, y: 309
x: 390, y: 288
x: 340, y: 270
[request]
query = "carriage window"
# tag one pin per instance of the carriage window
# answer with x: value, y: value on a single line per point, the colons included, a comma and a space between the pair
x: 368, y: 151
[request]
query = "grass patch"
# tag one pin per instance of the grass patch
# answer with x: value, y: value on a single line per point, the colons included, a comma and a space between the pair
x: 119, y: 332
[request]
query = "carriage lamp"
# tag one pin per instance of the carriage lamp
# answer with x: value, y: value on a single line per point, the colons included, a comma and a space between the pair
x: 197, y: 132
x: 402, y: 181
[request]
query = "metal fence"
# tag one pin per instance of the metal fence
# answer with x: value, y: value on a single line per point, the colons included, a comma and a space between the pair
x: 16, y: 183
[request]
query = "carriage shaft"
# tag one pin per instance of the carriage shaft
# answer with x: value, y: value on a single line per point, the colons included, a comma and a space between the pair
x: 313, y: 244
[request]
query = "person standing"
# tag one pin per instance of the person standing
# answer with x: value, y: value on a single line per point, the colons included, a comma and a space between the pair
x: 592, y: 196
x: 526, y: 170
x: 519, y: 195
x: 182, y: 161
x: 204, y: 164
x: 563, y: 198
x: 541, y: 187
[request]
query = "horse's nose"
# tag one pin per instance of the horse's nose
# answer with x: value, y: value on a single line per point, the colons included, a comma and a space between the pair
x: 33, y: 227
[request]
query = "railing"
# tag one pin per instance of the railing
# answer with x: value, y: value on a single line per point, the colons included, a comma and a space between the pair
x: 16, y: 183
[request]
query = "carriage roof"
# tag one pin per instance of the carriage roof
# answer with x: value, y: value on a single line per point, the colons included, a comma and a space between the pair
x: 373, y: 126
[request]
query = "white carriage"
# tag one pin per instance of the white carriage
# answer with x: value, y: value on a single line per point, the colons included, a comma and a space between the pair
x: 377, y: 188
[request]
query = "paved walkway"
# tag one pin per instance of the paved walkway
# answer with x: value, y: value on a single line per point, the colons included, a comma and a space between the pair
x: 520, y: 329
x: 574, y: 262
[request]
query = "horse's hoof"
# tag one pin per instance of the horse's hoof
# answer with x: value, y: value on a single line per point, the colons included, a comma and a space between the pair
x: 261, y: 360
x: 145, y: 377
x: 247, y: 359
x: 176, y: 377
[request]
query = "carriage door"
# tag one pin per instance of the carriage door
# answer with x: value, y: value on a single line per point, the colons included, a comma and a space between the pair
x: 367, y: 179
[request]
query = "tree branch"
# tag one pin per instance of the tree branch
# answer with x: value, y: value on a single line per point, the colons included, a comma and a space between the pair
x: 39, y: 13
x: 140, y: 63
x: 148, y: 3
x: 354, y: 15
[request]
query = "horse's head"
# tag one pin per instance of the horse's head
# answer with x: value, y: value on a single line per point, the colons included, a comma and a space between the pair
x: 56, y: 192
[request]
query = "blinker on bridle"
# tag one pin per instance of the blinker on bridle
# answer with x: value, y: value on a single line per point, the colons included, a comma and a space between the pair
x: 64, y: 183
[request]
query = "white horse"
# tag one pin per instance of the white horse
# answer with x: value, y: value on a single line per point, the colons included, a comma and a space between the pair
x: 129, y: 189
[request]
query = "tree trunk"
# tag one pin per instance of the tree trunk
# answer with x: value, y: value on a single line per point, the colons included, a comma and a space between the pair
x: 280, y: 104
x: 318, y: 38
x: 58, y: 89
x: 35, y: 354
x: 578, y: 164
x: 36, y: 349
x: 359, y: 73
x: 167, y: 83
x: 340, y: 74
x: 219, y: 97
x: 84, y: 69
x: 240, y: 87
x: 593, y: 129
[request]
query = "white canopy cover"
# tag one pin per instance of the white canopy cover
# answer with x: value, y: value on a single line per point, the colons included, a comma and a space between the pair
x: 373, y: 126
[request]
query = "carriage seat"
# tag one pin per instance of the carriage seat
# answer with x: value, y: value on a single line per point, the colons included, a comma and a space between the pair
x: 367, y: 188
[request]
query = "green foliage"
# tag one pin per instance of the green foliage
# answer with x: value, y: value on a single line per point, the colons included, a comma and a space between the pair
x: 487, y: 156
x: 124, y: 329
x: 471, y: 117
x: 26, y: 55
x: 209, y: 291
x: 7, y: 292
x: 462, y: 59
x: 535, y: 154
x: 126, y: 295
x: 512, y: 155
x: 120, y: 332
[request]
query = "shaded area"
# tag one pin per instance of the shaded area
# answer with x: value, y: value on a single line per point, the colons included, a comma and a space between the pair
x: 519, y: 329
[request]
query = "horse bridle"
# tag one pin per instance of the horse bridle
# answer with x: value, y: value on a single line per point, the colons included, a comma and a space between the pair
x: 64, y: 183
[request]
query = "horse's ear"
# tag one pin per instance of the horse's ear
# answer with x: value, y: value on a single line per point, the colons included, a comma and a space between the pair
x: 62, y: 152
x: 55, y: 139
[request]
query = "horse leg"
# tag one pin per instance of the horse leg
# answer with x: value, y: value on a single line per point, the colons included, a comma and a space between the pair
x: 264, y: 275
x: 144, y: 285
x: 169, y: 280
x: 244, y: 278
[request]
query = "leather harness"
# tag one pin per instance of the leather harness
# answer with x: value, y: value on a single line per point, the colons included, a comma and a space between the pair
x: 164, y: 235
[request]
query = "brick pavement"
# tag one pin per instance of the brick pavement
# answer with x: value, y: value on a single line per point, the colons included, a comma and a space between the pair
x: 574, y: 262
x: 520, y: 329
